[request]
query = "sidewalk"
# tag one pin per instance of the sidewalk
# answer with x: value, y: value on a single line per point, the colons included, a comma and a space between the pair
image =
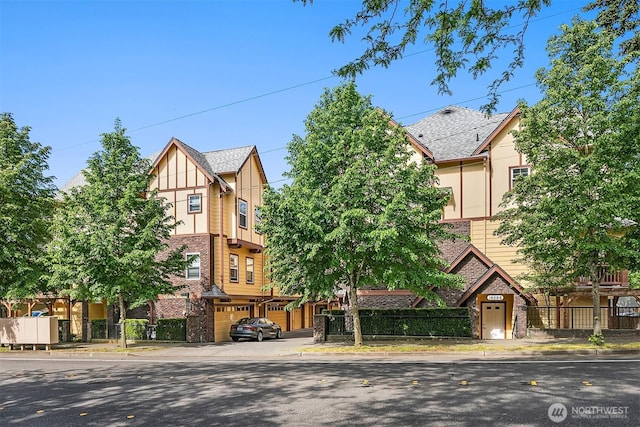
x: 300, y: 344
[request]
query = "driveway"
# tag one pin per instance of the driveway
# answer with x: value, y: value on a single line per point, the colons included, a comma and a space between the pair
x: 289, y: 344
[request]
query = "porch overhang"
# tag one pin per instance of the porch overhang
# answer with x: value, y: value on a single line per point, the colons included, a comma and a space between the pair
x: 215, y: 293
x: 238, y: 243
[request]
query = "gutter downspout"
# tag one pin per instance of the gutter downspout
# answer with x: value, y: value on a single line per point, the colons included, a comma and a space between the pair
x: 221, y: 231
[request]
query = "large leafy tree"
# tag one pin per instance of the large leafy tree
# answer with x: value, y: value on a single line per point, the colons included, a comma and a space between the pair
x: 571, y: 217
x: 111, y: 234
x: 358, y: 212
x: 26, y: 202
x: 465, y: 34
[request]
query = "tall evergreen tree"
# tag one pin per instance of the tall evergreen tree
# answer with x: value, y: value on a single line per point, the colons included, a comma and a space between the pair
x: 111, y: 234
x: 358, y: 213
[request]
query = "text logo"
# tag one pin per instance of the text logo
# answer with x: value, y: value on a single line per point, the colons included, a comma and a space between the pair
x: 557, y: 412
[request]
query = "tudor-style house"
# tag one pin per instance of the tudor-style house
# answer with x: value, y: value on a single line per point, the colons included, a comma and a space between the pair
x: 215, y: 197
x: 477, y: 164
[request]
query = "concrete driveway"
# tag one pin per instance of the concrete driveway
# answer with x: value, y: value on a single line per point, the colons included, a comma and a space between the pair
x: 289, y: 344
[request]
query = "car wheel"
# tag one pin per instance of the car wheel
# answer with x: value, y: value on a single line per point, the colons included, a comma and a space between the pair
x: 278, y: 334
x: 259, y: 337
x: 235, y: 338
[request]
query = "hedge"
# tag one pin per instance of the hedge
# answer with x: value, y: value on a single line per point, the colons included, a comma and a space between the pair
x: 450, y: 322
x: 99, y: 328
x: 171, y: 329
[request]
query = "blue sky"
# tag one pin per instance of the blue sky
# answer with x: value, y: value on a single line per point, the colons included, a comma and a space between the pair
x: 214, y: 74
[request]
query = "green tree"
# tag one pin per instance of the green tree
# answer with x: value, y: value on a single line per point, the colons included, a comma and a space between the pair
x: 465, y: 34
x: 111, y: 234
x: 570, y: 217
x: 358, y: 212
x: 26, y: 203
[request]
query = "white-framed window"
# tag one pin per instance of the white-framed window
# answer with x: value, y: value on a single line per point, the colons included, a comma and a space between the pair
x: 242, y: 213
x: 194, y: 202
x: 249, y: 265
x: 517, y: 172
x: 234, y: 267
x: 257, y: 217
x: 193, y: 269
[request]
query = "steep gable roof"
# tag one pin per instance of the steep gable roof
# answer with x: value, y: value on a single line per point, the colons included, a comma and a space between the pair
x: 454, y: 132
x: 229, y: 160
x: 217, y: 162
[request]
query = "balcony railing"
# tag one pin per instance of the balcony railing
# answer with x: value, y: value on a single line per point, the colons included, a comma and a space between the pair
x: 620, y: 278
x: 582, y: 317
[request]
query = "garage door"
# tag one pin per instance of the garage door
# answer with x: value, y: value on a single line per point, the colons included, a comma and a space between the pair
x: 278, y: 315
x: 225, y: 316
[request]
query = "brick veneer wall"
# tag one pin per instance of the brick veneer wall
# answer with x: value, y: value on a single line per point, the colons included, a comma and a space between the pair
x: 452, y: 248
x: 197, y: 311
x: 497, y: 285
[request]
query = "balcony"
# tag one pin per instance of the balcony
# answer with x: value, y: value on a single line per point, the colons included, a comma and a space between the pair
x: 614, y: 280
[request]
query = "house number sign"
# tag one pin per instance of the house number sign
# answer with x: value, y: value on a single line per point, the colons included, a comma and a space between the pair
x: 494, y: 297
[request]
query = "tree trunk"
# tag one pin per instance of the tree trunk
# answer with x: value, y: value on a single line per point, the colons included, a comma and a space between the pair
x: 123, y: 318
x: 597, y: 326
x: 353, y: 304
x: 596, y: 278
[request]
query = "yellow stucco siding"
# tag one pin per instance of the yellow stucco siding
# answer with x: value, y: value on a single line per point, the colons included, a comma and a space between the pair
x: 474, y: 190
x: 175, y: 171
x: 503, y: 157
x: 449, y: 177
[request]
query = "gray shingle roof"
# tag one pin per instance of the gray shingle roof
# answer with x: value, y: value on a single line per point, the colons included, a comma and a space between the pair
x: 229, y: 160
x: 213, y: 162
x: 454, y: 132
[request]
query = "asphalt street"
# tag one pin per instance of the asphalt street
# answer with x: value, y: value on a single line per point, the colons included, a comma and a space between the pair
x: 293, y: 391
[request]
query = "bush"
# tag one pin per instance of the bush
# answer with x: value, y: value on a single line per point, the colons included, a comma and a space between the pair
x: 171, y: 329
x: 99, y: 328
x: 449, y: 322
x: 136, y: 329
x: 442, y: 322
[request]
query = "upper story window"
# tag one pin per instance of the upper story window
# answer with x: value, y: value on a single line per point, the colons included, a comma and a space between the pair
x: 193, y: 269
x: 234, y: 268
x: 257, y: 217
x: 517, y: 172
x: 194, y: 203
x: 249, y: 270
x: 242, y: 213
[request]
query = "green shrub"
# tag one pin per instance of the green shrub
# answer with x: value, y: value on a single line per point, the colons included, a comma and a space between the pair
x: 171, y: 329
x: 99, y: 328
x: 442, y: 322
x: 136, y: 329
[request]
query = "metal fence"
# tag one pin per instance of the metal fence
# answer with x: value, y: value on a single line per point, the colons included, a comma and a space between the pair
x: 551, y: 317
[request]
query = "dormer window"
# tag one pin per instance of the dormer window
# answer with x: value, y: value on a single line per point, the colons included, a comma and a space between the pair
x: 194, y: 203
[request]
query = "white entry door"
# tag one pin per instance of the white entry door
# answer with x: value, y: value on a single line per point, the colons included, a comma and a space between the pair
x: 493, y: 320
